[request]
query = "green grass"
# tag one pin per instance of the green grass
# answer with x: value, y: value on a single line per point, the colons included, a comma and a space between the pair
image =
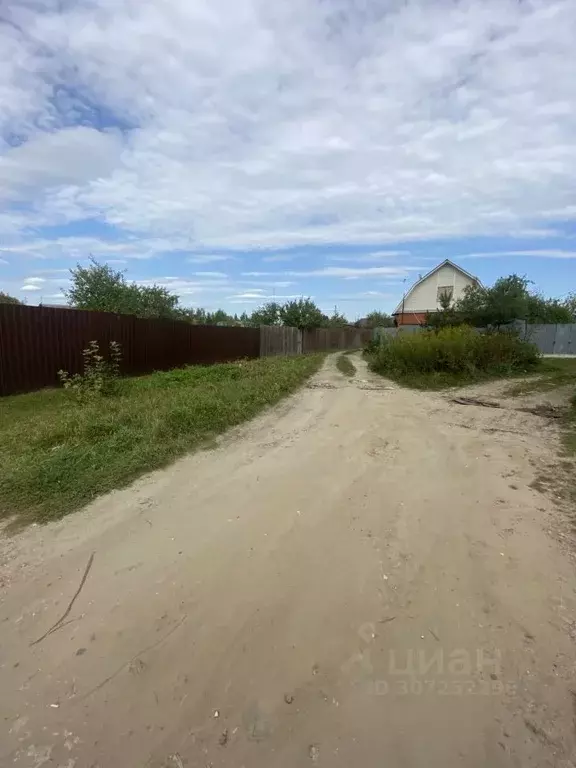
x: 436, y: 381
x: 345, y: 365
x: 552, y: 373
x: 57, y: 455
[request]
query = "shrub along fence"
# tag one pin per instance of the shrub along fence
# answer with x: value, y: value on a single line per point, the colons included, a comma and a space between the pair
x: 551, y: 339
x: 37, y: 342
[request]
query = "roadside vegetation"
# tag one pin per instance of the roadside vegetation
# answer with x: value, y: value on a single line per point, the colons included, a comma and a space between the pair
x: 345, y: 365
x: 553, y: 372
x: 60, y: 448
x: 558, y: 478
x: 451, y: 356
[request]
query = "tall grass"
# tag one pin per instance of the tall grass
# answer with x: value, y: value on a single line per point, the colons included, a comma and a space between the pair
x: 451, y: 356
x: 57, y: 454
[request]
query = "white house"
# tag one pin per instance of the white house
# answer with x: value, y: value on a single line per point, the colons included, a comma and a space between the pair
x: 446, y: 279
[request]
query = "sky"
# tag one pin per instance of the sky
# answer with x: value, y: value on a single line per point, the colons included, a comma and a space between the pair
x: 236, y: 152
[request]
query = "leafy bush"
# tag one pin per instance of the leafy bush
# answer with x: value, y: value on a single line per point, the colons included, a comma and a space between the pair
x: 372, y: 347
x: 455, y: 353
x: 100, y: 375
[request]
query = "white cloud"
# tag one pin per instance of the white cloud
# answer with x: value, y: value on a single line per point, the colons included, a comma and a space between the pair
x: 256, y: 124
x: 539, y: 254
x: 30, y: 287
x: 241, y: 298
x: 248, y: 295
x: 71, y: 156
x: 344, y: 272
x: 279, y: 257
x: 209, y: 258
x: 52, y: 272
x: 370, y: 257
x: 210, y: 274
x: 35, y: 280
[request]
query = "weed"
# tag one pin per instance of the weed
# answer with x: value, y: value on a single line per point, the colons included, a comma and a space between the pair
x: 100, y: 375
x: 345, y: 365
x: 433, y: 360
x: 55, y: 458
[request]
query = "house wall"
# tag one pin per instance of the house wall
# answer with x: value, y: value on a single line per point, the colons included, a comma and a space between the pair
x: 424, y: 298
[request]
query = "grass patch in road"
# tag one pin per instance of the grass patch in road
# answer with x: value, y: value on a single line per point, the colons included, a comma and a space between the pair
x: 57, y: 455
x: 436, y: 380
x: 553, y: 372
x: 345, y: 365
x: 451, y: 357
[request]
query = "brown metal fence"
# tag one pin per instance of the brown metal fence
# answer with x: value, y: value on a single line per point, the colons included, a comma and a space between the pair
x: 36, y: 342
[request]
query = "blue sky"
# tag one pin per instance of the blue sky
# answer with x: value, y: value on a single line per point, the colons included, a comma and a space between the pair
x: 236, y: 152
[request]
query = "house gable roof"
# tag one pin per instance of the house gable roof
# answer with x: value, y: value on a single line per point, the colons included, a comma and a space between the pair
x: 445, y: 263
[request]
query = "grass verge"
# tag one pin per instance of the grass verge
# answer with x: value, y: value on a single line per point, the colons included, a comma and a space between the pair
x: 553, y: 372
x: 57, y: 455
x: 345, y: 365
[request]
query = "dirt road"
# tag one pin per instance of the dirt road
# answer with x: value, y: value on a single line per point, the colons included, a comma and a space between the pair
x: 360, y: 577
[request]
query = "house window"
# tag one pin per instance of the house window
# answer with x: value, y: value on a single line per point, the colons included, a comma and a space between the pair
x: 444, y: 292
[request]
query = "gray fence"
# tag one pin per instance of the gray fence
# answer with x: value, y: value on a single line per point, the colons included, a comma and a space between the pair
x: 280, y: 340
x: 557, y: 339
x: 550, y: 339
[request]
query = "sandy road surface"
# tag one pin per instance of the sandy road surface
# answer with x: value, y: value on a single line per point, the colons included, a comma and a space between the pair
x: 360, y: 577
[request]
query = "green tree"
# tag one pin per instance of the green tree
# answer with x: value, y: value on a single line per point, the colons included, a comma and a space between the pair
x: 220, y: 317
x: 447, y: 316
x: 99, y: 287
x: 335, y: 320
x: 244, y: 319
x: 542, y: 310
x: 267, y: 314
x: 196, y: 316
x: 302, y: 313
x: 5, y: 298
x: 507, y: 300
x: 377, y: 319
x: 570, y: 304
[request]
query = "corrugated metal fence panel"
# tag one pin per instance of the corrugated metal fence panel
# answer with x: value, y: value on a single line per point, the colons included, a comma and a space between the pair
x: 565, y: 342
x: 280, y: 340
x: 37, y: 342
x: 543, y: 336
x: 331, y: 339
x: 551, y: 339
